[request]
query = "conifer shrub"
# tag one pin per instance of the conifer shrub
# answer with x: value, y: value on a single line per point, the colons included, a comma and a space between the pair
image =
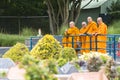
x: 46, y: 48
x: 66, y: 54
x: 17, y: 52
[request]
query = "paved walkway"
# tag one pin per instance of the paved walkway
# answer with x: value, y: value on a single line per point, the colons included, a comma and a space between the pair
x: 3, y: 50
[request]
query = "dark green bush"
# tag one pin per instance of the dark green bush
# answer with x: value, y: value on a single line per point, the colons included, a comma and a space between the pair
x: 115, y: 15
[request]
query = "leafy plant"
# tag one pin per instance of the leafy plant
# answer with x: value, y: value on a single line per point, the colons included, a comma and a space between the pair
x: 103, y: 57
x: 39, y: 69
x: 17, y: 52
x: 94, y: 64
x: 66, y: 54
x: 93, y: 60
x: 110, y: 70
x: 46, y: 48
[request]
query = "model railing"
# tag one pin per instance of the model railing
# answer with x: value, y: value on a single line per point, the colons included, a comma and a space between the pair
x: 112, y: 42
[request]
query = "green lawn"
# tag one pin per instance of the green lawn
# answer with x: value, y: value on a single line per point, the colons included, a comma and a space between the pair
x: 114, y: 28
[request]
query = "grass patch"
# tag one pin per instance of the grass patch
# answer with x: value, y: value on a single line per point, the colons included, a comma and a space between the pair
x: 29, y: 32
x: 10, y: 40
x: 114, y: 28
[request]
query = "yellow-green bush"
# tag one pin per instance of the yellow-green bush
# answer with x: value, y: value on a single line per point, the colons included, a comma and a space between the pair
x: 66, y: 54
x: 47, y: 47
x: 17, y: 52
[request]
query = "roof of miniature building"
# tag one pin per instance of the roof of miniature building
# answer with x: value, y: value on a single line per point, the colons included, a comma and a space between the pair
x: 93, y: 3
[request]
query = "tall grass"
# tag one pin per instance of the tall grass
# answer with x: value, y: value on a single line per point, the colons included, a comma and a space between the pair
x: 114, y: 28
x: 10, y: 40
x: 29, y: 32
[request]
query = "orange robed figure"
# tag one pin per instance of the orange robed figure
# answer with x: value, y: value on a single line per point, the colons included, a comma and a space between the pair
x: 102, y: 29
x: 92, y: 28
x: 83, y: 38
x: 72, y: 31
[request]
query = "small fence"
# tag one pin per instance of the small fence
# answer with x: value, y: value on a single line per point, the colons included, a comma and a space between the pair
x: 112, y: 42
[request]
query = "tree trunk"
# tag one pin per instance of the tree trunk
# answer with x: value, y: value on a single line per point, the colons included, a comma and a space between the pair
x: 50, y: 18
x: 60, y: 14
x: 66, y: 12
x: 51, y: 23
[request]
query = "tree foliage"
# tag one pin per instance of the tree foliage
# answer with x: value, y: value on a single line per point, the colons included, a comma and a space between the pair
x: 22, y: 7
x: 114, y: 10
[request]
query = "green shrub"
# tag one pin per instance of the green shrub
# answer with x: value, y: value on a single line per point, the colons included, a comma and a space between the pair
x: 47, y: 47
x: 17, y: 52
x: 29, y: 32
x: 39, y: 69
x: 66, y: 54
x: 10, y: 40
x: 115, y: 15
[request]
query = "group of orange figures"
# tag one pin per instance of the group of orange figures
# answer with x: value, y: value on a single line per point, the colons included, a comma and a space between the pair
x: 92, y: 28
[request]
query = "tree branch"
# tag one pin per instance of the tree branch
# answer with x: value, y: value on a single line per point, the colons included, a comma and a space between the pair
x: 78, y: 11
